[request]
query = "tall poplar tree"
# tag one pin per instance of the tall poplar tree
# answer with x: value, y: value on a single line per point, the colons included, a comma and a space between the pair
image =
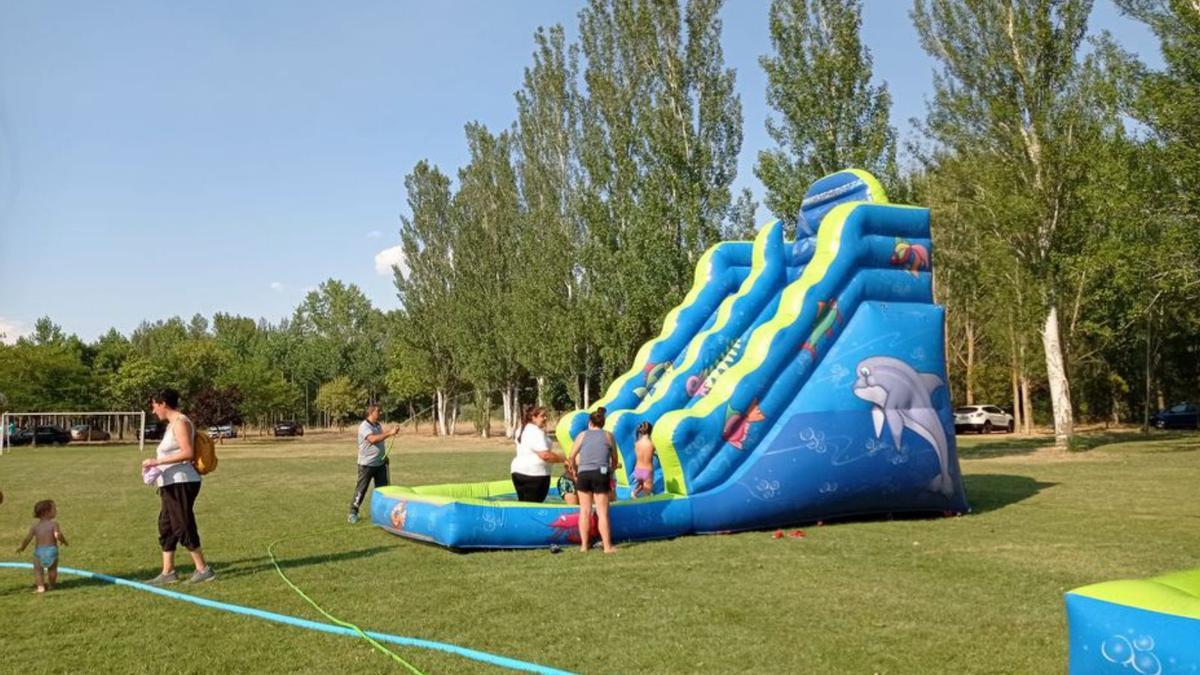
x: 830, y: 115
x: 425, y: 284
x: 487, y: 214
x: 547, y: 284
x: 1010, y: 92
x: 661, y: 129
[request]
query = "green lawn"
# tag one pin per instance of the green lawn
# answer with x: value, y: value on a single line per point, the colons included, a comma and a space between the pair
x: 979, y: 593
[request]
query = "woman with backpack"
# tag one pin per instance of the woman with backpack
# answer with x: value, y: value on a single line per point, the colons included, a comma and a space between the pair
x: 178, y: 485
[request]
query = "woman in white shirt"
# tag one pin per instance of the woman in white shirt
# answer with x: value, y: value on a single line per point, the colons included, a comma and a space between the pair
x: 531, y: 466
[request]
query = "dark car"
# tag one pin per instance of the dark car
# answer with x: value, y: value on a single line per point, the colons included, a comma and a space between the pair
x: 1182, y: 416
x: 153, y: 432
x: 288, y: 428
x: 87, y: 432
x: 46, y: 435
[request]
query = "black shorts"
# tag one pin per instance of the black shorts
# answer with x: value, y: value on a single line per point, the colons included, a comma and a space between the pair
x: 593, y: 481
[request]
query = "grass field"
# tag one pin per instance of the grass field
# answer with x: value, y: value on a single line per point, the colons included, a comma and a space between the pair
x: 979, y: 593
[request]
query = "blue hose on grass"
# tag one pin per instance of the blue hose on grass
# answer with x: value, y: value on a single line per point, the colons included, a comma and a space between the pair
x: 484, y: 657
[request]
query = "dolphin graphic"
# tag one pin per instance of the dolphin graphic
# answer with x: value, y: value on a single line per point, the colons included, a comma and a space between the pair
x: 901, y: 397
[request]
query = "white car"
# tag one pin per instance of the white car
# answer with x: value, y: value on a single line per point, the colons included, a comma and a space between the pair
x: 983, y: 419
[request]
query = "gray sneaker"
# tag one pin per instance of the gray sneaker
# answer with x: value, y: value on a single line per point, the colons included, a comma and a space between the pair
x: 206, y: 574
x: 164, y: 579
x: 352, y: 518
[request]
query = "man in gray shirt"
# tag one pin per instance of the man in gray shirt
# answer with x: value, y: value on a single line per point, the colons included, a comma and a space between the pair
x: 372, y: 458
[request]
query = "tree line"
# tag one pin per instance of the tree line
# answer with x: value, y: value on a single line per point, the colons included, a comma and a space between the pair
x: 1061, y: 172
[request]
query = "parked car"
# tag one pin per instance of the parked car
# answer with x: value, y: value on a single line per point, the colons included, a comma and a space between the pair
x: 154, y: 430
x: 46, y: 435
x: 289, y: 428
x: 222, y: 431
x: 87, y: 432
x: 1181, y: 416
x: 983, y: 419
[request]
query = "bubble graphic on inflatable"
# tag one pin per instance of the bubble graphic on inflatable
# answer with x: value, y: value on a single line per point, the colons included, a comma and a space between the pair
x: 1147, y: 663
x: 766, y: 489
x: 492, y: 521
x: 828, y: 488
x: 1117, y: 650
x: 1143, y: 643
x: 814, y: 440
x: 838, y: 374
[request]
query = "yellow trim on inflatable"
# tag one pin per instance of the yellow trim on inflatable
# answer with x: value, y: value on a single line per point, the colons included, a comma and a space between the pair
x: 562, y: 431
x: 874, y: 188
x: 758, y: 265
x: 829, y: 239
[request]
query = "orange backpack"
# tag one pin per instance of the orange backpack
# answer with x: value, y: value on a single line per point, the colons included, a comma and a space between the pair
x: 205, y: 459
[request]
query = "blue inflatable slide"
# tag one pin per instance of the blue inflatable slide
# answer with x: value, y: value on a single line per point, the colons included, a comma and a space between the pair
x: 796, y: 382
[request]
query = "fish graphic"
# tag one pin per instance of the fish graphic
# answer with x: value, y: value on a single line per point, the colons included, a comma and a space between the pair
x: 914, y: 256
x: 827, y: 316
x: 696, y: 386
x: 652, y: 373
x: 737, y: 425
x: 901, y: 397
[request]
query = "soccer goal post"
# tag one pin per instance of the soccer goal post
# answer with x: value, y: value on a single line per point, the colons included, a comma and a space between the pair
x: 20, y: 428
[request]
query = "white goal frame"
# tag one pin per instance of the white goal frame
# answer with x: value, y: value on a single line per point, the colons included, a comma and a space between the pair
x: 6, y: 446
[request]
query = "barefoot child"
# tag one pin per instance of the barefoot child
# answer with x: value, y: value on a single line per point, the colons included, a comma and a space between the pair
x: 643, y: 471
x: 45, y: 552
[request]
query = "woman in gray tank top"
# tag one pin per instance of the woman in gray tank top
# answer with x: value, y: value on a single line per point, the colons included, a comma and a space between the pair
x: 178, y: 487
x: 595, y: 459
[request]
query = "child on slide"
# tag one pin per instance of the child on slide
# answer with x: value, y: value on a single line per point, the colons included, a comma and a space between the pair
x: 643, y: 471
x: 45, y: 553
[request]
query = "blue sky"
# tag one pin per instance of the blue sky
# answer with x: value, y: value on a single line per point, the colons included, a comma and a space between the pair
x: 173, y: 158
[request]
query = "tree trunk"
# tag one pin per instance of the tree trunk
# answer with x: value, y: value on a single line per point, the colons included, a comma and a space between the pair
x: 541, y: 391
x: 412, y: 416
x: 506, y: 402
x: 1060, y: 387
x: 1018, y: 423
x: 587, y: 393
x: 970, y: 375
x: 576, y: 397
x: 516, y: 411
x: 454, y: 409
x: 1026, y: 403
x: 484, y: 404
x: 439, y: 411
x: 1149, y: 379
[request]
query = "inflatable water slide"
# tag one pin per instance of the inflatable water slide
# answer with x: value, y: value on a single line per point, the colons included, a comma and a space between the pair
x: 797, y: 381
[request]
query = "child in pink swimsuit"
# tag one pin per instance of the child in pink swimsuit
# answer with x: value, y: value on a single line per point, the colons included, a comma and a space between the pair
x: 643, y: 471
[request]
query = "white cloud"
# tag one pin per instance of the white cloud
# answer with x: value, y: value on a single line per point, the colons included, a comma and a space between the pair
x: 11, y: 329
x: 389, y: 257
x: 374, y: 234
x: 277, y: 286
